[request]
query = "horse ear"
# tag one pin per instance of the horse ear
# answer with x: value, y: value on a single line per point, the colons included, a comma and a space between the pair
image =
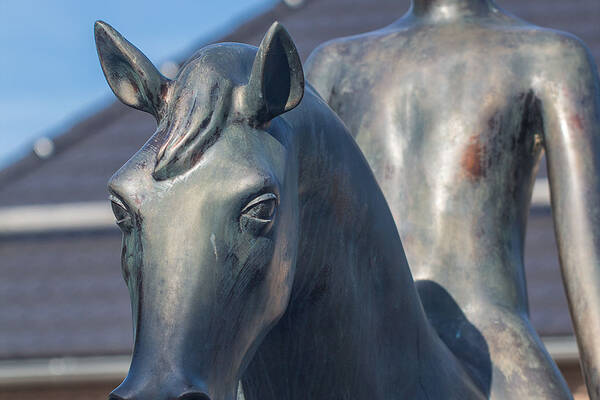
x: 276, y: 84
x: 129, y: 73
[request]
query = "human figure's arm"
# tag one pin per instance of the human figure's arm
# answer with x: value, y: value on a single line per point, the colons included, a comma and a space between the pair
x: 568, y: 87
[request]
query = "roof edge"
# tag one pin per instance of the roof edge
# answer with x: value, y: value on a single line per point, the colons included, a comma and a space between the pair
x: 60, y: 371
x: 73, y: 370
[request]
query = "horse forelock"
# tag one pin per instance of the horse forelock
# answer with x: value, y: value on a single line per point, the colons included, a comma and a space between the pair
x: 201, y: 102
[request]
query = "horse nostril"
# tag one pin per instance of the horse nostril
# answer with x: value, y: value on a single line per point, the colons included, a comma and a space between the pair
x: 193, y: 396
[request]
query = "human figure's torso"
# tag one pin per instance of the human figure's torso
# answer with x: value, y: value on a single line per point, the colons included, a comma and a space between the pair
x: 448, y: 118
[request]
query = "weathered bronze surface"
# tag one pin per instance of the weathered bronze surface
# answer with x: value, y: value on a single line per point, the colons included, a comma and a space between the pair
x: 257, y: 244
x: 453, y: 105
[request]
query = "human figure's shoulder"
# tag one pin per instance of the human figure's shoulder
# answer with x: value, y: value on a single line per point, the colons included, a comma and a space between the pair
x: 550, y: 57
x: 545, y: 48
x: 328, y: 60
x: 561, y: 56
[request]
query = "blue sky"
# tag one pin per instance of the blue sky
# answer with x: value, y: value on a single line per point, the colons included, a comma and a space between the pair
x: 49, y: 72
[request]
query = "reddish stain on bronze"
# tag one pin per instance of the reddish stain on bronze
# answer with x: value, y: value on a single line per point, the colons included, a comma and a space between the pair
x: 577, y: 122
x: 472, y: 159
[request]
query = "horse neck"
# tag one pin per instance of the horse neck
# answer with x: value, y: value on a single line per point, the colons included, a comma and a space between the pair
x: 349, y: 252
x: 354, y: 326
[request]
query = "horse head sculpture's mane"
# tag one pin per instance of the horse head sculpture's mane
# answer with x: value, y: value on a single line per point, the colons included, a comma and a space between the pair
x: 202, y: 93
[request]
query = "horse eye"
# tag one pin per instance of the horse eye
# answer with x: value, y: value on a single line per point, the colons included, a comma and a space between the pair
x: 258, y: 214
x: 263, y: 210
x: 121, y: 214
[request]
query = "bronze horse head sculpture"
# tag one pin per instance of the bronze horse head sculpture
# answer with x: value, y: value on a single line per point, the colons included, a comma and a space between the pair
x: 257, y: 245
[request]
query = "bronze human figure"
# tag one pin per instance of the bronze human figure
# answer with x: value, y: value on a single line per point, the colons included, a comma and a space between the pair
x: 257, y: 244
x: 453, y: 105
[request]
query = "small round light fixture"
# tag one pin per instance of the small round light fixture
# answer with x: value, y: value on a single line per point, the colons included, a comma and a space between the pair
x: 43, y: 147
x: 294, y: 3
x: 169, y: 69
